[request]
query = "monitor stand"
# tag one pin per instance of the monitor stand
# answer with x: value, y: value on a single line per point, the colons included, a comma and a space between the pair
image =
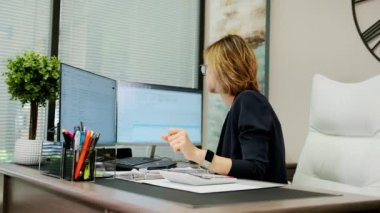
x: 152, y: 151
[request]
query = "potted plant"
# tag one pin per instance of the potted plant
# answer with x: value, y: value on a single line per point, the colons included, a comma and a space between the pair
x: 32, y: 79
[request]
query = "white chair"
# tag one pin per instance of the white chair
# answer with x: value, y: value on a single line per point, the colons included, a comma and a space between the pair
x: 342, y: 149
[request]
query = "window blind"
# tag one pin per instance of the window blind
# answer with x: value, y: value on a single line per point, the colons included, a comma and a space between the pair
x: 146, y: 41
x: 24, y: 25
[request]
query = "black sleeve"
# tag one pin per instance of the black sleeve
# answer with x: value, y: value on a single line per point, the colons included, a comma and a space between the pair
x: 254, y: 121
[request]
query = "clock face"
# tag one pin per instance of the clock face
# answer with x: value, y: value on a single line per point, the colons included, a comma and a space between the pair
x: 367, y: 20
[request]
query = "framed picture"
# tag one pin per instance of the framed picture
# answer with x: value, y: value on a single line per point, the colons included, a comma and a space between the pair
x: 250, y: 20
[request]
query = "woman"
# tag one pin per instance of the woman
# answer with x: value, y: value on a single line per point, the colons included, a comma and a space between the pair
x: 251, y: 144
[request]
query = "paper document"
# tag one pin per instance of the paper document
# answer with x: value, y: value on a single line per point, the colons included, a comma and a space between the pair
x: 205, y: 188
x: 197, y: 179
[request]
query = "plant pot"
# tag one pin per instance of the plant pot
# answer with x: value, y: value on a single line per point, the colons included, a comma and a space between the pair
x: 27, y: 152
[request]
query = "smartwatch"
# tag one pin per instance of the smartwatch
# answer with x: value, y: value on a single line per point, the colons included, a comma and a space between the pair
x: 209, y: 156
x: 208, y: 159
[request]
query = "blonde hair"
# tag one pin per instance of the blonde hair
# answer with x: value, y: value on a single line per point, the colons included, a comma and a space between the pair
x: 234, y: 64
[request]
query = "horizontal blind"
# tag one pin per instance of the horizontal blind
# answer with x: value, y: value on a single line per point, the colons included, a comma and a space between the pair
x: 149, y: 41
x: 146, y: 41
x: 24, y: 25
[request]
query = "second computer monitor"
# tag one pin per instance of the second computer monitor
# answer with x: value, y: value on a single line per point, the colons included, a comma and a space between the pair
x: 147, y: 111
x: 90, y: 98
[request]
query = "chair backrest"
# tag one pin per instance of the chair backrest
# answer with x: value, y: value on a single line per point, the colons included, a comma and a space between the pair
x: 342, y: 149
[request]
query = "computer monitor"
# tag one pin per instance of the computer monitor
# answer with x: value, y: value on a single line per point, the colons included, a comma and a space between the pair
x: 90, y: 98
x: 146, y: 111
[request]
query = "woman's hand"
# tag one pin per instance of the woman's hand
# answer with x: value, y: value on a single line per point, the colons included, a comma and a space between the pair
x: 180, y: 142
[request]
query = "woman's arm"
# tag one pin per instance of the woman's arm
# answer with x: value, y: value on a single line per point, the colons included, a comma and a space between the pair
x: 253, y: 120
x: 220, y: 165
x: 180, y: 142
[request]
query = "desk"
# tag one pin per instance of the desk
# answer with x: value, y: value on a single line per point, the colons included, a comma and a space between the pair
x: 26, y: 190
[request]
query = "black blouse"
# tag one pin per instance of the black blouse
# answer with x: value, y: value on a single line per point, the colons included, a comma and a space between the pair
x: 252, y: 137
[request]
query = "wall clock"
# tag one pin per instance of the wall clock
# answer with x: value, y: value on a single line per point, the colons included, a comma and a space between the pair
x: 367, y: 20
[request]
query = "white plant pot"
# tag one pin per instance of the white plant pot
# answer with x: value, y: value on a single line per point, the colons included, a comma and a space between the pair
x: 27, y: 152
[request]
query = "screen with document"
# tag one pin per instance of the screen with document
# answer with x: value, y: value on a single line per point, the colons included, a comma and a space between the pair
x: 145, y: 111
x: 90, y: 98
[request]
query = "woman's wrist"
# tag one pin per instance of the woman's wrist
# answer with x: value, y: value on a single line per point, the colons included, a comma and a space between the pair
x: 199, y: 156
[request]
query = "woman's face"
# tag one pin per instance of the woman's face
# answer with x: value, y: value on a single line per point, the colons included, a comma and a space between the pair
x: 211, y: 82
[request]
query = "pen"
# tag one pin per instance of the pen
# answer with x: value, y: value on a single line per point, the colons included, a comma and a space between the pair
x: 90, y: 160
x: 82, y: 136
x: 77, y: 144
x: 70, y: 134
x: 75, y: 140
x: 67, y: 139
x: 97, y: 136
x: 83, y: 154
x: 86, y: 173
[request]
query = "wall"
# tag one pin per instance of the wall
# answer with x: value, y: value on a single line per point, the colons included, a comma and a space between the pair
x: 308, y: 37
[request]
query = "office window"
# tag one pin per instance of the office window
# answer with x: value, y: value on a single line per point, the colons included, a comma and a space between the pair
x: 24, y: 25
x: 146, y: 41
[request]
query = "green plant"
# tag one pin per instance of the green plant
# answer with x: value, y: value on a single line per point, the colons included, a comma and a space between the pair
x: 33, y: 78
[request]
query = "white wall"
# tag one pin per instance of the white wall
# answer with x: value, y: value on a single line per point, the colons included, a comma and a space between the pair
x: 308, y: 37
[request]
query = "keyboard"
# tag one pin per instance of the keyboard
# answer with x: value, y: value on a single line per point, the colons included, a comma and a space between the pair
x: 161, y: 164
x: 144, y: 163
x: 134, y: 161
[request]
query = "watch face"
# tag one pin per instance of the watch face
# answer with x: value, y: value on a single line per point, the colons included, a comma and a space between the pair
x: 367, y: 20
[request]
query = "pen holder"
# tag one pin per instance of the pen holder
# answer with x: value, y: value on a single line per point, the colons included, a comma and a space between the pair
x: 75, y: 169
x: 51, y: 158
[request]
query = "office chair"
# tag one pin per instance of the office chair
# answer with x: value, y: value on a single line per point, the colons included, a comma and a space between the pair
x: 342, y: 149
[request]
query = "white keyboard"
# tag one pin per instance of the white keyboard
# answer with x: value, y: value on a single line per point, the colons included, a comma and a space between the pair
x: 196, y: 178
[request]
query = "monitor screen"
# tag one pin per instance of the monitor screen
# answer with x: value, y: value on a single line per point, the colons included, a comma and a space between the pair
x: 89, y: 98
x: 147, y: 111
